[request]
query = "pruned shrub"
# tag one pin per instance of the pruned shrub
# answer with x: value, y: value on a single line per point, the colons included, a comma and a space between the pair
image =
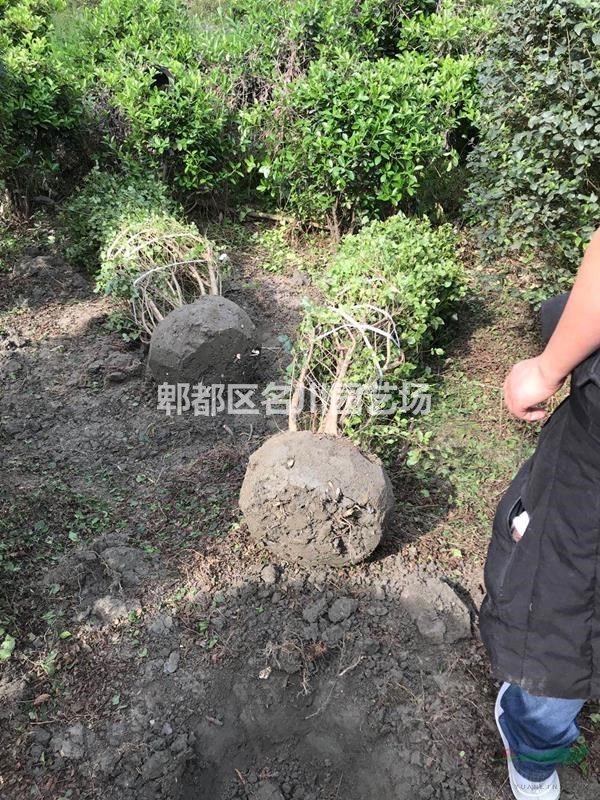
x: 158, y: 264
x: 408, y: 267
x: 127, y: 229
x: 350, y: 141
x: 392, y: 289
x: 104, y: 203
x: 309, y: 494
x: 535, y: 192
x: 41, y: 113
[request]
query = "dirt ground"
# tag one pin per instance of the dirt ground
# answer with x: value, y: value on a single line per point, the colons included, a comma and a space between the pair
x: 160, y: 653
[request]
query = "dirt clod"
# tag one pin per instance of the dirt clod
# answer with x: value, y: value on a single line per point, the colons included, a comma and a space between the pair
x: 329, y: 507
x: 342, y: 608
x: 439, y: 614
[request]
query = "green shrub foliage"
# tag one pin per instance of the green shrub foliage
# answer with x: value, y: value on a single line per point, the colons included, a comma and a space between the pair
x: 350, y: 140
x: 40, y: 113
x: 103, y: 204
x: 409, y: 268
x: 340, y: 109
x: 156, y: 104
x: 401, y: 270
x: 536, y: 171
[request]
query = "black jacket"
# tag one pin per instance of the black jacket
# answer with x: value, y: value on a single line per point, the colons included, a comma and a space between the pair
x: 540, y: 618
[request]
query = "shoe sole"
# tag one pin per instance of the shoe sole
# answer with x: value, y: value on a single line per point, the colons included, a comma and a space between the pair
x: 519, y: 793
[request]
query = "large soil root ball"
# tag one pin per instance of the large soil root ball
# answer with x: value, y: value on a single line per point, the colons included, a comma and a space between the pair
x: 314, y: 499
x: 210, y: 340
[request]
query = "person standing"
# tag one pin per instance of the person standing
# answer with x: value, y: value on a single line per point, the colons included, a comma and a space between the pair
x: 540, y: 617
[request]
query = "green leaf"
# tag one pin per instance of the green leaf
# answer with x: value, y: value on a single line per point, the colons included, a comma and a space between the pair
x: 7, y: 647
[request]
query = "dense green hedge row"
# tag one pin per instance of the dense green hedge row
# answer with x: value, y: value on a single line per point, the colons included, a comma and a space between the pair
x: 341, y: 111
x: 536, y: 172
x: 41, y: 115
x: 334, y: 109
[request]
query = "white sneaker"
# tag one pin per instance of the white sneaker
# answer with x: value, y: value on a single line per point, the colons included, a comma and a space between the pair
x: 522, y: 788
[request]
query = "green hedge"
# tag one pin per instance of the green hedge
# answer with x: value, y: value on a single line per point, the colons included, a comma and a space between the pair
x: 535, y: 193
x: 102, y: 204
x: 40, y: 112
x: 338, y: 109
x: 351, y: 140
x: 184, y: 128
x: 409, y: 268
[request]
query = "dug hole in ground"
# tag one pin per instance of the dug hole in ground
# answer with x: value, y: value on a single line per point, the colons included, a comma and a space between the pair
x: 197, y: 665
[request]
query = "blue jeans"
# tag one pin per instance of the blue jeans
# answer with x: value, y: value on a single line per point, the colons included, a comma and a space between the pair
x: 539, y: 731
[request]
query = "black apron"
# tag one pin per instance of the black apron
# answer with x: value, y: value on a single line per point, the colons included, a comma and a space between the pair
x: 540, y: 618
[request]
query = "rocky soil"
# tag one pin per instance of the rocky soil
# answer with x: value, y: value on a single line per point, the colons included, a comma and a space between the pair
x: 160, y: 651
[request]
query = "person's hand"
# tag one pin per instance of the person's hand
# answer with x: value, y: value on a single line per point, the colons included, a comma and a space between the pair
x: 527, y: 385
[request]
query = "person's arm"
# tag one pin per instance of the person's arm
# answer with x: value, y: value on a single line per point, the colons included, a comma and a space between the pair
x: 576, y: 336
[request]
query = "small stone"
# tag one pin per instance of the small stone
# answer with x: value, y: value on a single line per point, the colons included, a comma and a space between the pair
x: 379, y: 593
x: 160, y: 625
x: 110, y: 609
x: 41, y: 736
x: 180, y: 744
x: 371, y: 646
x: 156, y: 765
x: 377, y: 610
x: 333, y: 634
x: 312, y: 612
x: 290, y: 661
x: 172, y: 663
x: 430, y: 626
x: 119, y: 361
x: 70, y: 743
x: 116, y: 377
x: 267, y: 790
x: 269, y: 574
x: 437, y: 611
x: 167, y: 730
x: 342, y: 608
x: 130, y: 564
x: 35, y: 752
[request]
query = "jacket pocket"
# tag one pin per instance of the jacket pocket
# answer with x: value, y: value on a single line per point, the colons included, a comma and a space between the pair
x: 503, y: 549
x: 516, y: 508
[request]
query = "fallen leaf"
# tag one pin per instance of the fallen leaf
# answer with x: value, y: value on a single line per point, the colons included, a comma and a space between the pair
x: 41, y: 698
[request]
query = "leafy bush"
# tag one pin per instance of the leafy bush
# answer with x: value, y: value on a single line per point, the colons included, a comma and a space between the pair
x: 40, y: 114
x: 410, y: 269
x: 265, y: 43
x: 156, y: 106
x: 536, y: 172
x: 349, y: 141
x: 188, y: 131
x: 157, y: 264
x: 391, y: 290
x: 105, y: 202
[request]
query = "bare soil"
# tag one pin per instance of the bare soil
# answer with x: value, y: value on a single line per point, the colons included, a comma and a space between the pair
x: 160, y: 652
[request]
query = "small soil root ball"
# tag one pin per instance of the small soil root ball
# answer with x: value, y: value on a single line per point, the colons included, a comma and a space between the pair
x: 315, y: 499
x: 210, y: 340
